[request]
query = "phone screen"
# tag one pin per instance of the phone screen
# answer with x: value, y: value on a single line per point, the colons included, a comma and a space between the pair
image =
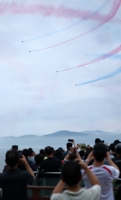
x: 20, y: 154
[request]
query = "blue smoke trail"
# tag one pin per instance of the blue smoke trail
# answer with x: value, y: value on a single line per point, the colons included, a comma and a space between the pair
x: 114, y: 73
x: 70, y: 26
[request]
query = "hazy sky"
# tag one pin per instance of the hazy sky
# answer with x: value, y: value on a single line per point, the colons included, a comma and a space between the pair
x: 34, y: 98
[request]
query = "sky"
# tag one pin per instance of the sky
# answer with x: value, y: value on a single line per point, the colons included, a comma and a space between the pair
x: 60, y: 66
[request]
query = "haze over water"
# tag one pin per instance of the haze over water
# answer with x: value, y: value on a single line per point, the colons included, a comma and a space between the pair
x: 38, y: 143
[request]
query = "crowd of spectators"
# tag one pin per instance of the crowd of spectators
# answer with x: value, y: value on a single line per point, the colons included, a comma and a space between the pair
x: 99, y: 166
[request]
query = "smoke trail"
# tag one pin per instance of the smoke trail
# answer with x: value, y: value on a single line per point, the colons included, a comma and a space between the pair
x: 114, y: 73
x: 42, y: 9
x: 111, y: 53
x: 112, y: 13
x: 46, y: 11
x: 70, y: 26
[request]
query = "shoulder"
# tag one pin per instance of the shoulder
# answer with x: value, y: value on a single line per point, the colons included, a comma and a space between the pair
x: 112, y: 170
x: 94, y: 192
x: 58, y: 196
x: 109, y: 168
x: 96, y: 188
x: 25, y: 174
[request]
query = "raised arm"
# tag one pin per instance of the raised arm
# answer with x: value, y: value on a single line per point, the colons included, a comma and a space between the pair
x: 28, y: 168
x: 111, y: 162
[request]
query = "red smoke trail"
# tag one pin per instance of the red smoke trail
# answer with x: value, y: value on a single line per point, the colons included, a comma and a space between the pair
x: 43, y: 9
x: 103, y: 57
x: 115, y: 7
x: 47, y: 10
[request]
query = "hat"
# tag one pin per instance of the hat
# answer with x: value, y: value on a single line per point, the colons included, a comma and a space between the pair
x: 82, y: 146
x: 98, y: 140
x: 116, y: 142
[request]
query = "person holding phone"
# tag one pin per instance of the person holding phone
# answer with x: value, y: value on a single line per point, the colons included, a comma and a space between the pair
x: 14, y: 182
x: 68, y: 145
x: 71, y: 177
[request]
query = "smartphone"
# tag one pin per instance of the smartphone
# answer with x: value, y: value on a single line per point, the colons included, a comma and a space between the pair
x: 70, y: 140
x: 20, y: 154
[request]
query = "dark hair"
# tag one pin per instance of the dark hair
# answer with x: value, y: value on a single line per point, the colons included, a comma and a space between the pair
x: 116, y: 142
x: 98, y: 140
x: 42, y: 151
x: 100, y: 151
x: 58, y: 154
x: 71, y: 173
x: 38, y: 159
x: 48, y: 150
x: 118, y: 148
x: 30, y: 152
x: 12, y: 158
x: 112, y: 147
x: 25, y: 152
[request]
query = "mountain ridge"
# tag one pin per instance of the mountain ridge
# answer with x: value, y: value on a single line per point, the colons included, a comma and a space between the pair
x: 63, y: 133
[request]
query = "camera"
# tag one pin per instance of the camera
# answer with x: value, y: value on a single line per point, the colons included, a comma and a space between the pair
x: 15, y: 147
x: 70, y: 140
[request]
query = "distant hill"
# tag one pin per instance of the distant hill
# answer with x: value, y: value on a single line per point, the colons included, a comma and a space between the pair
x: 57, y: 139
x: 29, y: 136
x: 64, y: 133
x: 22, y: 137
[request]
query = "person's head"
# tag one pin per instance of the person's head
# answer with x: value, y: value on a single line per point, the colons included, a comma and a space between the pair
x: 82, y: 146
x: 61, y: 149
x: 118, y: 149
x: 68, y: 145
x: 98, y: 140
x: 30, y: 152
x: 100, y: 151
x: 88, y: 151
x: 58, y: 154
x: 12, y: 158
x: 89, y: 148
x: 71, y: 173
x: 112, y: 147
x: 25, y: 152
x: 48, y: 150
x: 116, y: 142
x: 42, y: 151
x: 38, y: 159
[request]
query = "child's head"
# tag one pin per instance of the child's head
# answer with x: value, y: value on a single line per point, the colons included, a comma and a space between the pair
x: 71, y: 173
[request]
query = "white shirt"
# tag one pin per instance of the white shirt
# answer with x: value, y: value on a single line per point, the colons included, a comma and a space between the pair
x: 83, y: 194
x: 106, y: 174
